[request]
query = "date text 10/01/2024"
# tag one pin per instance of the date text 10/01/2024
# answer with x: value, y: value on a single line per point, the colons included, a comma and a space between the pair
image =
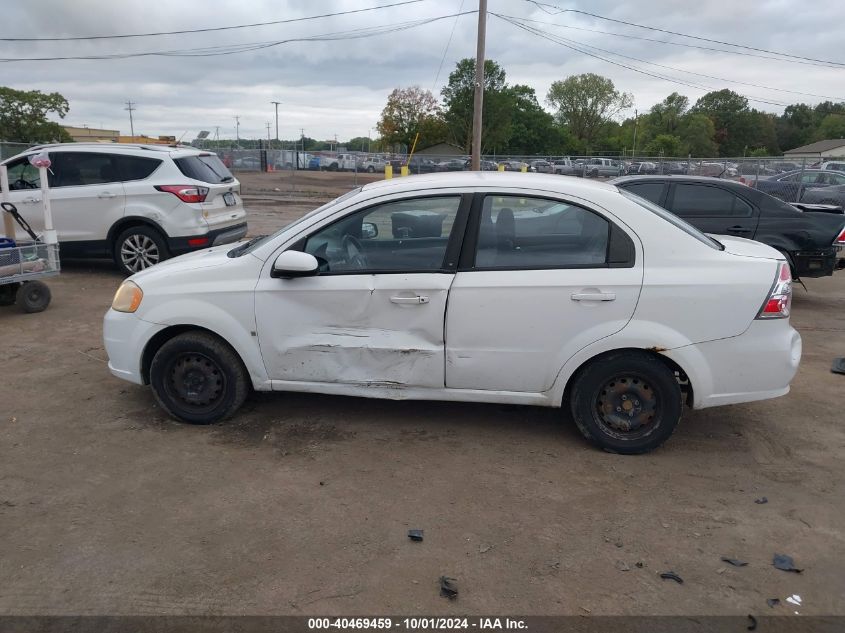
x: 417, y: 623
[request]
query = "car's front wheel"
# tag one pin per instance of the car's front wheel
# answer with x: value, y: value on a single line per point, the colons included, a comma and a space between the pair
x: 627, y: 402
x: 198, y: 378
x: 139, y: 247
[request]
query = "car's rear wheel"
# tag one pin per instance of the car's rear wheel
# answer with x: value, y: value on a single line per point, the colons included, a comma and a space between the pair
x: 371, y: 169
x: 627, y: 402
x: 198, y: 378
x: 139, y: 247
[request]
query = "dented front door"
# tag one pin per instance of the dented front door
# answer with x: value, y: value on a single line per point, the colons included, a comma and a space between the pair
x: 374, y: 329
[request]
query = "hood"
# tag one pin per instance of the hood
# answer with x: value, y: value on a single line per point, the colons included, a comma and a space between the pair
x: 747, y: 248
x: 206, y: 258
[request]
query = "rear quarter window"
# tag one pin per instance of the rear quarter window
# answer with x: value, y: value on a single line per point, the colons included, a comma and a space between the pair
x: 136, y: 167
x: 205, y: 168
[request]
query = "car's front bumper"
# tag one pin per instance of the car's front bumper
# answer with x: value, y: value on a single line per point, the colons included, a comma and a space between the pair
x: 216, y: 237
x: 125, y: 336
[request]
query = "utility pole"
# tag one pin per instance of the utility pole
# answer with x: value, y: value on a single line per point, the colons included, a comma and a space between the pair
x: 268, y: 134
x: 634, y: 149
x: 237, y: 131
x: 131, y: 107
x: 277, y: 104
x: 479, y: 86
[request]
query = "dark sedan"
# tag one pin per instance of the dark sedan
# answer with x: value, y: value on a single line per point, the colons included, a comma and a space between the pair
x: 834, y: 194
x: 791, y: 185
x: 811, y: 241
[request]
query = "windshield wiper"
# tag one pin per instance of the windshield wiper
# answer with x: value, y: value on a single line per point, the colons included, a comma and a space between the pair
x: 227, y: 179
x: 241, y: 248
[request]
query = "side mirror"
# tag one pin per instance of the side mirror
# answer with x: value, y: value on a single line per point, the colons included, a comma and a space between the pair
x: 369, y: 230
x: 295, y: 264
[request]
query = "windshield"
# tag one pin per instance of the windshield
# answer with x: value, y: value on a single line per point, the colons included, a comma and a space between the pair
x: 251, y: 245
x: 670, y: 217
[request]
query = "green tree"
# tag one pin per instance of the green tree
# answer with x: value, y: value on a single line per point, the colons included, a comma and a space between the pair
x: 795, y: 126
x: 405, y: 114
x: 729, y: 113
x: 832, y: 126
x: 23, y: 116
x: 665, y: 117
x: 458, y: 100
x: 533, y: 130
x: 697, y: 132
x: 585, y: 103
x: 665, y: 145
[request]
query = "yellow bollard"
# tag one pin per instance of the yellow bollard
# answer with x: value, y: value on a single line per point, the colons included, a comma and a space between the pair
x: 523, y: 168
x: 403, y: 170
x: 501, y: 167
x: 388, y: 172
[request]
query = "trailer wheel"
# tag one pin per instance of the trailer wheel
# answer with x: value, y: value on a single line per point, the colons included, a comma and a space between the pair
x: 33, y: 296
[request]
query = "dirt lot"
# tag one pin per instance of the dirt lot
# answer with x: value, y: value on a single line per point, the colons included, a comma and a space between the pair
x: 302, y: 503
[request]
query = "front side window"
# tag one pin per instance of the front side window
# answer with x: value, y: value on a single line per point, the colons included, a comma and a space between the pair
x: 706, y: 201
x: 74, y: 169
x: 394, y: 237
x: 522, y: 232
x: 22, y: 175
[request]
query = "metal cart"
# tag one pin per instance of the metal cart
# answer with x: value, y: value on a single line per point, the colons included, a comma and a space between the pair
x: 24, y: 263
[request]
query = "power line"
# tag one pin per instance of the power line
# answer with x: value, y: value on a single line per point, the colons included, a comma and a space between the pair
x: 690, y: 72
x: 681, y: 44
x: 204, y: 30
x: 557, y: 39
x: 541, y: 5
x: 231, y: 49
x: 446, y: 50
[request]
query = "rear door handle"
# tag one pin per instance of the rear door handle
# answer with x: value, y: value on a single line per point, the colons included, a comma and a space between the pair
x: 739, y: 229
x: 415, y: 300
x: 31, y: 200
x: 594, y: 296
x: 106, y: 194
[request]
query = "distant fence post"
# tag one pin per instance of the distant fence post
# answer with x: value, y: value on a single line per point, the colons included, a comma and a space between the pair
x: 800, y: 180
x: 757, y: 172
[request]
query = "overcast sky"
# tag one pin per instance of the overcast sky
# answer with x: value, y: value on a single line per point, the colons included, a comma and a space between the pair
x: 340, y: 87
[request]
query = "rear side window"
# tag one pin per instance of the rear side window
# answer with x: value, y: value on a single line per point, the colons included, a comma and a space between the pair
x: 74, y: 169
x: 204, y: 167
x: 690, y: 200
x: 518, y: 232
x: 652, y: 191
x: 672, y: 219
x: 136, y: 167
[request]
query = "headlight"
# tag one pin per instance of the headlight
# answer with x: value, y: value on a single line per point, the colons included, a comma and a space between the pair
x: 127, y: 298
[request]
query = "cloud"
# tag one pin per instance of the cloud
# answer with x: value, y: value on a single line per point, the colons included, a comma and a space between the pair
x: 340, y: 87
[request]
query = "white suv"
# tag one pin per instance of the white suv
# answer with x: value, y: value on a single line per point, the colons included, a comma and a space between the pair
x: 139, y: 204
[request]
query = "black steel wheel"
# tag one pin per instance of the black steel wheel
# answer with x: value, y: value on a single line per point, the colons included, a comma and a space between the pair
x: 198, y: 378
x: 33, y: 296
x: 627, y: 402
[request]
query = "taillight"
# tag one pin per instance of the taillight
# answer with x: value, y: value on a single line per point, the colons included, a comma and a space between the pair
x: 840, y: 241
x: 186, y: 193
x: 779, y: 301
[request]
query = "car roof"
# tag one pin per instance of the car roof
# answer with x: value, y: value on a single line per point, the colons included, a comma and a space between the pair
x: 676, y: 177
x: 121, y: 148
x: 512, y: 180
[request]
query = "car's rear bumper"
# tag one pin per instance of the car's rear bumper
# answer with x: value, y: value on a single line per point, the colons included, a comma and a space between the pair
x: 756, y: 365
x: 215, y: 237
x: 819, y: 263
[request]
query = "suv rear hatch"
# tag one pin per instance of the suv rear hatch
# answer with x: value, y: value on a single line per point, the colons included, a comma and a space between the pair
x: 223, y: 204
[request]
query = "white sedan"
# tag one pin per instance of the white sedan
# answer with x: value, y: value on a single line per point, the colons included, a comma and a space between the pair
x: 484, y: 287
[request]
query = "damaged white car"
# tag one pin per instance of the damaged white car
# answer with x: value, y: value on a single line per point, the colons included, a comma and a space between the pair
x: 483, y: 287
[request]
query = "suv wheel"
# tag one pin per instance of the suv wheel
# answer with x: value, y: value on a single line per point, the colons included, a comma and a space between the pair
x: 371, y: 169
x: 627, y: 403
x: 197, y: 378
x: 139, y: 247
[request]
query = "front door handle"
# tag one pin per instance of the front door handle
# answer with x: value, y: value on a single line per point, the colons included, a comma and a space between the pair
x: 738, y: 230
x: 593, y: 296
x: 415, y: 300
x: 106, y: 194
x: 31, y: 200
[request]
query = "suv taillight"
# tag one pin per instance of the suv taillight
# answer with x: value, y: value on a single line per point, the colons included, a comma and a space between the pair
x: 840, y: 241
x: 779, y: 301
x: 186, y: 193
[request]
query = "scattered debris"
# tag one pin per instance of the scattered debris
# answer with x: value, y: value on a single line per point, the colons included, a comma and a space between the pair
x: 721, y: 570
x: 734, y: 561
x: 322, y: 483
x: 448, y: 589
x: 639, y: 564
x: 415, y: 535
x: 13, y: 419
x: 752, y: 623
x: 621, y: 565
x: 773, y: 602
x: 838, y: 365
x: 484, y: 549
x: 665, y: 525
x: 761, y: 501
x: 794, y: 599
x: 619, y: 544
x: 585, y: 609
x: 785, y: 563
x: 670, y: 575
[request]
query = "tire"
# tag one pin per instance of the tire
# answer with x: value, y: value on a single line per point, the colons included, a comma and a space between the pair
x: 333, y: 167
x: 138, y: 248
x: 33, y: 296
x: 371, y: 169
x: 603, y: 391
x: 595, y: 173
x: 198, y: 378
